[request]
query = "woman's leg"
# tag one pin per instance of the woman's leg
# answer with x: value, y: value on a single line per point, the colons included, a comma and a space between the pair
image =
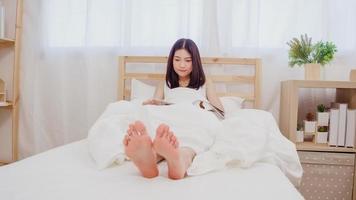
x: 138, y: 147
x: 178, y: 159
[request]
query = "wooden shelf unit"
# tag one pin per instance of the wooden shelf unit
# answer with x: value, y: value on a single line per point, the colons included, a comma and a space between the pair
x: 345, y: 92
x: 15, y: 45
x: 321, y: 163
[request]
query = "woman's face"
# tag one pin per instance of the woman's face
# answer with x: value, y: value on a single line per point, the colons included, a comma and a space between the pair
x: 182, y: 63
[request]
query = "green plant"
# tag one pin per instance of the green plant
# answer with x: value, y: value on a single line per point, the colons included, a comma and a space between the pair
x: 323, y: 52
x: 321, y: 108
x: 299, y: 127
x: 302, y: 51
x: 322, y: 129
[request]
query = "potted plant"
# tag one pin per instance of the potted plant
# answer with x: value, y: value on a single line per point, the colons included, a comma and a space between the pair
x: 312, y: 56
x: 309, y: 127
x: 322, y: 135
x: 299, y: 133
x: 322, y: 115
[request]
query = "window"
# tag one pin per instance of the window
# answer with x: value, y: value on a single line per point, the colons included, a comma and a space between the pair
x: 135, y: 23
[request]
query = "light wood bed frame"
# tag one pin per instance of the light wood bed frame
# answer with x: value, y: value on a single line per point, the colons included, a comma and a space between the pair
x: 254, y: 80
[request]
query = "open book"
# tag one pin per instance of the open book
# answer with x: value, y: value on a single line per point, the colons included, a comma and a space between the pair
x: 163, y: 103
x: 210, y: 107
x: 201, y: 104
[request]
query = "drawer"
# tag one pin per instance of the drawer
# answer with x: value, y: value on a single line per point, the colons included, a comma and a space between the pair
x: 327, y: 158
x: 327, y: 175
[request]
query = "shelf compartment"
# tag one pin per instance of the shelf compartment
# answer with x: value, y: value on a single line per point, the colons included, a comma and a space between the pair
x: 311, y: 146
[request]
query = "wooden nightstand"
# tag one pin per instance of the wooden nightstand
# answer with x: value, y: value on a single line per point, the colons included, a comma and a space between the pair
x: 329, y: 172
x: 327, y: 175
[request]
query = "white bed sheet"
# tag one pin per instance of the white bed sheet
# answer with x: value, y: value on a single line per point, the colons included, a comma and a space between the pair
x: 68, y: 172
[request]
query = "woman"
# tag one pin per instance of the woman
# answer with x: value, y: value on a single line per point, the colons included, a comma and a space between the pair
x: 185, y: 81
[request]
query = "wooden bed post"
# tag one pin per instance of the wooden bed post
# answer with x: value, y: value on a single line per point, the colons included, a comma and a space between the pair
x: 257, y: 85
x: 122, y: 70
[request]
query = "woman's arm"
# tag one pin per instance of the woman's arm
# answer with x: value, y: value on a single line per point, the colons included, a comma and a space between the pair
x: 157, y: 97
x: 159, y: 94
x: 211, y: 94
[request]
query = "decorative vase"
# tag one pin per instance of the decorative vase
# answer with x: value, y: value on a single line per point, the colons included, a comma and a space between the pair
x: 299, y: 136
x: 309, y: 126
x: 321, y: 137
x: 309, y: 137
x: 312, y: 71
x: 323, y: 118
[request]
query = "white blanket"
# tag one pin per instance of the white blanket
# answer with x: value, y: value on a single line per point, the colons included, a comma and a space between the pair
x: 194, y: 127
x: 248, y: 137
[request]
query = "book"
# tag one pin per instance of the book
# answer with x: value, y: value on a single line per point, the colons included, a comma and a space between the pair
x: 342, y: 124
x: 334, y: 126
x: 164, y: 103
x: 200, y: 103
x: 210, y: 107
x: 350, y: 128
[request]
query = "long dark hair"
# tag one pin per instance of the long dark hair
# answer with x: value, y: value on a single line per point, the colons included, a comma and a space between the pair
x: 197, y: 76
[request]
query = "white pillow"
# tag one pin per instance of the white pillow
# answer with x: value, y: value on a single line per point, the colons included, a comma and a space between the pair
x: 231, y: 104
x: 141, y: 91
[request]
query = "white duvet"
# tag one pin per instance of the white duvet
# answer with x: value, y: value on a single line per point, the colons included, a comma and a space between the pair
x: 247, y: 137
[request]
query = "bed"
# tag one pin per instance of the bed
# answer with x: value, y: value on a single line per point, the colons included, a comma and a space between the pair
x: 71, y: 172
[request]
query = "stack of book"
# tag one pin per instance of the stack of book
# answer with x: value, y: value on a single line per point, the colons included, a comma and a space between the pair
x: 342, y: 128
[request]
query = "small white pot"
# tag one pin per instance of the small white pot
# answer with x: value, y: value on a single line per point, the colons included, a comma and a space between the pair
x: 321, y: 137
x: 309, y: 137
x: 299, y: 136
x: 309, y: 126
x: 323, y: 118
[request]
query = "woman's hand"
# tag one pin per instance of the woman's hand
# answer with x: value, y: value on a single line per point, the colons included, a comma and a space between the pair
x: 153, y: 102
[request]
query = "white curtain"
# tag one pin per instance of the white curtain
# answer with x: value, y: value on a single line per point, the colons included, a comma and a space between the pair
x: 70, y: 49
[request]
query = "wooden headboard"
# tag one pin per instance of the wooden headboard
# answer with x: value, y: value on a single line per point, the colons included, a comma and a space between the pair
x: 253, y: 80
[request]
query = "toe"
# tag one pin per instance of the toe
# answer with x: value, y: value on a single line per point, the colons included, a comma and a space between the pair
x: 166, y: 128
x: 175, y: 144
x: 160, y: 130
x: 130, y: 133
x: 130, y: 129
x: 140, y: 127
x: 172, y: 137
x: 167, y: 135
x: 131, y: 126
x: 135, y: 133
x: 125, y: 140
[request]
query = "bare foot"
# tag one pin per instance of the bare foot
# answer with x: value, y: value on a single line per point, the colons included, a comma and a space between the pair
x: 138, y: 147
x: 166, y: 145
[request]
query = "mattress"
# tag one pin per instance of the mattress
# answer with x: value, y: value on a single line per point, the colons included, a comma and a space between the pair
x: 68, y: 172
